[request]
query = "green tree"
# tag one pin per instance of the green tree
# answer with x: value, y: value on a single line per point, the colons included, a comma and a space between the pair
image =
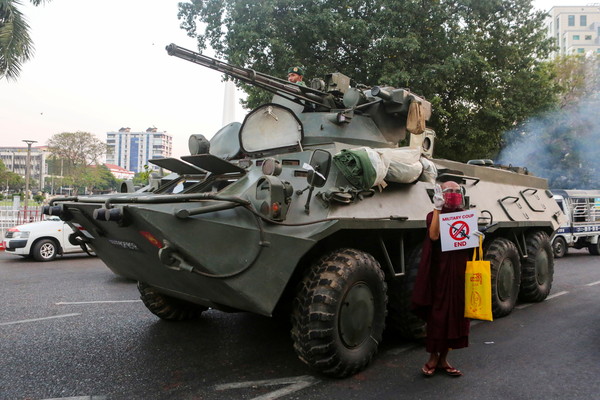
x: 577, y: 76
x: 476, y: 61
x: 95, y: 178
x: 9, y: 180
x: 105, y: 180
x: 77, y: 148
x: 142, y: 178
x: 73, y: 153
x: 16, y: 46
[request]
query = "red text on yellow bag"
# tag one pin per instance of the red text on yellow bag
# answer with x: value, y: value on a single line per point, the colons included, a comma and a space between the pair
x: 478, y: 287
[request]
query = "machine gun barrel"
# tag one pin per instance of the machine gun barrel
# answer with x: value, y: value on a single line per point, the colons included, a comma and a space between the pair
x: 272, y: 84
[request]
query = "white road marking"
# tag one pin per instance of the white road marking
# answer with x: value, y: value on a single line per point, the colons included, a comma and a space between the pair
x: 556, y: 295
x: 522, y: 306
x: 294, y: 384
x: 401, y: 349
x: 80, y: 398
x: 593, y: 283
x: 62, y: 303
x: 38, y: 319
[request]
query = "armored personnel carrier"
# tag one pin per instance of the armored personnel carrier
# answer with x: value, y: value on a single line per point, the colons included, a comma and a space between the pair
x: 311, y: 208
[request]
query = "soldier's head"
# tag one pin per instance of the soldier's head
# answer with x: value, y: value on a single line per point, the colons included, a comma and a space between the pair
x: 295, y: 74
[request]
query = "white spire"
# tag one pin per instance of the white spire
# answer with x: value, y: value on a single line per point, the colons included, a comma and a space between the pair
x: 229, y: 103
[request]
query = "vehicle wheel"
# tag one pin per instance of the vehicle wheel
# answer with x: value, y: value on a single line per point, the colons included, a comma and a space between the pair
x: 400, y: 319
x: 559, y: 247
x: 594, y: 249
x: 506, y: 275
x: 167, y: 307
x: 537, y: 272
x: 44, y: 250
x: 339, y: 312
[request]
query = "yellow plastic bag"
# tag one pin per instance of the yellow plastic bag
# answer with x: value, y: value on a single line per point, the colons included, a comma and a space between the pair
x: 478, y: 287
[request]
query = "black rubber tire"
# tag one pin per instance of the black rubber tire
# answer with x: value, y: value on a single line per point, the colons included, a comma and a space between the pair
x: 537, y: 271
x: 506, y: 275
x: 400, y: 319
x: 559, y: 247
x: 167, y: 307
x: 45, y: 250
x: 594, y: 249
x: 339, y: 312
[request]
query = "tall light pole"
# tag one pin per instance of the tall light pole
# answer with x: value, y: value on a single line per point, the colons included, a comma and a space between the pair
x: 27, y: 172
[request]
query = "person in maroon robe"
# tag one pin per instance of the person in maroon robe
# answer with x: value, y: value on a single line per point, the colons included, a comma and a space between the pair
x: 439, y: 293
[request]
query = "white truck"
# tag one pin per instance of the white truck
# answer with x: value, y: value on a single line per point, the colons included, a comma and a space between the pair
x: 42, y: 240
x: 582, y: 229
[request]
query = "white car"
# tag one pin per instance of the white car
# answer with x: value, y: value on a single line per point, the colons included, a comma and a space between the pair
x: 42, y: 240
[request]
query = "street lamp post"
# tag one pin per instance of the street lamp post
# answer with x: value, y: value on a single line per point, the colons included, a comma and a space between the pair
x: 27, y: 173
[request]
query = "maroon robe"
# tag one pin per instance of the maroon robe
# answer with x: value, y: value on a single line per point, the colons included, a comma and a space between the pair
x: 439, y: 294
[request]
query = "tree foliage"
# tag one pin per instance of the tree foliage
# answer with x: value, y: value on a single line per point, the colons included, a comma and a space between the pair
x: 142, y: 178
x: 16, y: 46
x: 9, y: 180
x: 76, y: 156
x: 77, y: 148
x: 578, y: 78
x: 93, y: 179
x: 476, y: 61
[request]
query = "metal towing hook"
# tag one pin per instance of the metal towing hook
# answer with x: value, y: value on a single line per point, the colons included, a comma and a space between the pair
x: 171, y: 259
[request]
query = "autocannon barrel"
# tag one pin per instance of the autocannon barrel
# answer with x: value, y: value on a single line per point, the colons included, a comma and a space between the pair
x: 377, y: 91
x: 270, y: 83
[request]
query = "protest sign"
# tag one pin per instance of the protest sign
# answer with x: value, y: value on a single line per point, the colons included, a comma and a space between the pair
x: 456, y: 230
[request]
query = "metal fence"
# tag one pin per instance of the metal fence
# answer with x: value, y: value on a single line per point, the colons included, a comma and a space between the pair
x: 10, y: 217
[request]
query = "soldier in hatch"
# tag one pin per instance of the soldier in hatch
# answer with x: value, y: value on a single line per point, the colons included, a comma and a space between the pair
x: 295, y: 75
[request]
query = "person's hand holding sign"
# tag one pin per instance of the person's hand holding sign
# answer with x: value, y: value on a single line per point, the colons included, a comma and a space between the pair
x: 438, y: 198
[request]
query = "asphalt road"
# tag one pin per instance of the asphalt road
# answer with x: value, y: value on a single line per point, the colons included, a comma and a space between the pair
x: 71, y: 329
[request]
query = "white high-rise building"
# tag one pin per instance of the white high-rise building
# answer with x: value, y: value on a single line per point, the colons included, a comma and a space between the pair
x: 575, y: 29
x: 132, y: 150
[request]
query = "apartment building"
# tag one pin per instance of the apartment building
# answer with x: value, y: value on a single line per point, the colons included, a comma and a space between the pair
x: 576, y: 29
x: 15, y: 160
x: 132, y: 150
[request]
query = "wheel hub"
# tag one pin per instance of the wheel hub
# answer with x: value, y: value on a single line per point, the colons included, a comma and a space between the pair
x: 47, y: 250
x: 356, y: 315
x: 505, y: 280
x: 541, y: 267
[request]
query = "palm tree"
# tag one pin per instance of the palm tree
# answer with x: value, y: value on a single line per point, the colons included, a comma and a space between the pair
x: 16, y: 46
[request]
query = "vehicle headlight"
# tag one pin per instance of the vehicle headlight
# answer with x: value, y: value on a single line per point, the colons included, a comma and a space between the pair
x: 20, y: 235
x: 273, y: 197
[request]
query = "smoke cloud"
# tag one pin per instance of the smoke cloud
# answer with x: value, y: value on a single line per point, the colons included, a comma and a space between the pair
x: 562, y: 146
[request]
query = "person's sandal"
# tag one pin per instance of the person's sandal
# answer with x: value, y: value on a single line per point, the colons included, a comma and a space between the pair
x: 450, y: 370
x: 427, y: 370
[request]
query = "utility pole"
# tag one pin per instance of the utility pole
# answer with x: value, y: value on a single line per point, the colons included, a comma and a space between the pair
x: 27, y: 173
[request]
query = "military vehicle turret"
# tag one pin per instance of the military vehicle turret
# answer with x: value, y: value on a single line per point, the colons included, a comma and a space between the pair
x: 311, y: 208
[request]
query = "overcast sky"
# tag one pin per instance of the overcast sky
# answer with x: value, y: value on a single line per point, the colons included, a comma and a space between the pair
x: 100, y: 65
